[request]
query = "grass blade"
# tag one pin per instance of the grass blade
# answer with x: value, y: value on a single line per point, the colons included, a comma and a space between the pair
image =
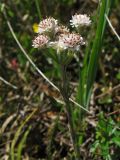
x: 90, y: 64
x: 38, y: 9
x: 21, y: 144
x: 17, y: 134
x: 93, y: 62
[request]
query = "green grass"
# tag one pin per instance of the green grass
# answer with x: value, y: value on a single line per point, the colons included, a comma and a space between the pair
x: 38, y: 3
x: 16, y: 138
x: 92, y: 54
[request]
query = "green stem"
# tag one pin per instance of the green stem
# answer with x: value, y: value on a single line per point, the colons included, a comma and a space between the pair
x: 65, y: 94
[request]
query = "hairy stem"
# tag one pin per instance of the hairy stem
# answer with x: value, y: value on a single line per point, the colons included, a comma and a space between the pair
x: 65, y: 94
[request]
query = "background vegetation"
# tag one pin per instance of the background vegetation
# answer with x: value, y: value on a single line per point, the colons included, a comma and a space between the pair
x: 33, y: 123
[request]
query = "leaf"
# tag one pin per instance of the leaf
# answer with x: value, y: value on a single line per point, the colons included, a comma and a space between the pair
x: 118, y: 76
x: 106, y: 99
x: 116, y: 140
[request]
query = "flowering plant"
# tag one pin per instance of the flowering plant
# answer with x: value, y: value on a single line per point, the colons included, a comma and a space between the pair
x: 53, y: 35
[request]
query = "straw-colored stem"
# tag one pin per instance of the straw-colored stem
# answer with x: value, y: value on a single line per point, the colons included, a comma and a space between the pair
x: 7, y: 83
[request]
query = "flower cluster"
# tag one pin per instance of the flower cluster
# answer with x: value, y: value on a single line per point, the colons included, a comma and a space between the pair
x: 40, y: 41
x: 59, y: 37
x: 71, y: 41
x: 80, y: 20
x: 47, y: 25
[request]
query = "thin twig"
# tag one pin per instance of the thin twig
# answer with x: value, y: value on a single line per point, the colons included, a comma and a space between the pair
x: 7, y: 83
x: 111, y: 26
x: 79, y: 106
x: 33, y: 64
x: 114, y: 112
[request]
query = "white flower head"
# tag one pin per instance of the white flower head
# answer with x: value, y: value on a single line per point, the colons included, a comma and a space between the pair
x: 40, y: 41
x: 70, y: 41
x: 47, y: 25
x: 80, y: 20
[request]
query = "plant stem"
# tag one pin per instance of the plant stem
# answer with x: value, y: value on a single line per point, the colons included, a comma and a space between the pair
x: 65, y: 94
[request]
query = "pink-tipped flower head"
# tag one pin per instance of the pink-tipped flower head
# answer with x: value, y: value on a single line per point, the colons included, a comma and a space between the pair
x: 40, y: 41
x: 70, y: 41
x: 79, y: 20
x: 62, y: 30
x: 47, y: 25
